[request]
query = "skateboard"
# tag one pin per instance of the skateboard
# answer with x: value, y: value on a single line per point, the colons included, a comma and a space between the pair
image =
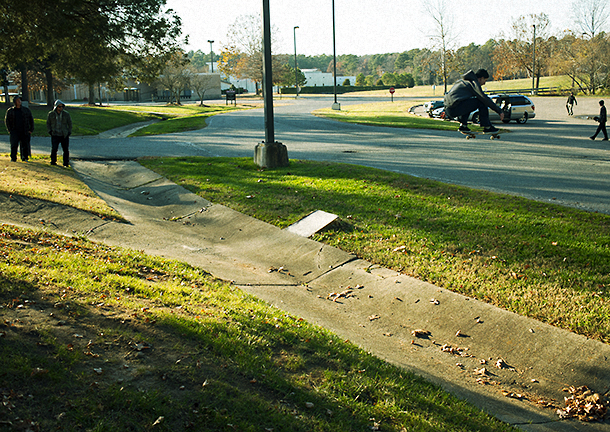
x: 472, y: 135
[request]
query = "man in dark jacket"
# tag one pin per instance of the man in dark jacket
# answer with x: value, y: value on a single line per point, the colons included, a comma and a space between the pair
x: 20, y: 125
x: 59, y: 126
x: 602, y: 122
x: 467, y: 96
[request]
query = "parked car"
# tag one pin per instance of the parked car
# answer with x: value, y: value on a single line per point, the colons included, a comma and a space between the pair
x: 430, y: 106
x: 516, y: 107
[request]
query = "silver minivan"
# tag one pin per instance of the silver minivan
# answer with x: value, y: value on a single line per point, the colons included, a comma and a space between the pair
x: 516, y: 107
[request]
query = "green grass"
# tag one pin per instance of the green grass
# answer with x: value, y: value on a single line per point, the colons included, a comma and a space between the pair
x: 539, y: 260
x: 100, y: 338
x: 37, y: 179
x: 427, y: 91
x: 184, y: 118
x: 387, y: 114
x: 85, y: 120
x: 94, y: 120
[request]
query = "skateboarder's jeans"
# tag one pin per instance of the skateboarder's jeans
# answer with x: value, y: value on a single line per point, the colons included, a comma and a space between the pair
x: 21, y: 141
x: 462, y: 111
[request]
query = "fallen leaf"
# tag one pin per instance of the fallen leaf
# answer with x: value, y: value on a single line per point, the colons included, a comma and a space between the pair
x: 420, y: 333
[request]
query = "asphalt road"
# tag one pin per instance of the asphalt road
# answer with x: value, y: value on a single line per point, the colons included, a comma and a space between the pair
x: 549, y: 159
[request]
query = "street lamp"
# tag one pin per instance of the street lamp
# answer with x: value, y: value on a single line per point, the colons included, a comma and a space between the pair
x: 336, y: 105
x: 211, y: 56
x: 296, y: 73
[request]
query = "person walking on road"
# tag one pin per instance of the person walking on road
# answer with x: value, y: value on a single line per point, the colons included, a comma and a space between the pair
x: 59, y: 126
x: 20, y: 125
x: 570, y: 103
x: 467, y: 96
x: 602, y: 122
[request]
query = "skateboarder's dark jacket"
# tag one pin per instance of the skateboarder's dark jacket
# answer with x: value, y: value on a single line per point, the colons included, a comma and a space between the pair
x: 467, y: 88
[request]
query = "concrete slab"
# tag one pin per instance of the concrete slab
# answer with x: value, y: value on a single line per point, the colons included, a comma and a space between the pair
x: 312, y: 223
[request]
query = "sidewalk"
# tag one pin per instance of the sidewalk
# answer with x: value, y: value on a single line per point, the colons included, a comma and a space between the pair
x: 378, y: 309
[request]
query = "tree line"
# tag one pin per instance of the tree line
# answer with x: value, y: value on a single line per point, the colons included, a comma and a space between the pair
x: 52, y: 43
x: 528, y: 50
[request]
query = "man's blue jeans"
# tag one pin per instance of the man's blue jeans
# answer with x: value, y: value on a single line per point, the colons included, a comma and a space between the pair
x: 463, y: 108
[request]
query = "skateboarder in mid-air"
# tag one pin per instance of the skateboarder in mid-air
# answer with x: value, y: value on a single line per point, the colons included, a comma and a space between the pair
x: 467, y: 96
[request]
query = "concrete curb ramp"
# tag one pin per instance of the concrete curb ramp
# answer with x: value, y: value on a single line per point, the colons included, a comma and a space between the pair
x: 506, y: 364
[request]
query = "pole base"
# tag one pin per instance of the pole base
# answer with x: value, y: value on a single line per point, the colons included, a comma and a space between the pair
x: 271, y: 155
x: 336, y: 106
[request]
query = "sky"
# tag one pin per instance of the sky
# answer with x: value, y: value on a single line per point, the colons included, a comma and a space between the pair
x: 362, y: 26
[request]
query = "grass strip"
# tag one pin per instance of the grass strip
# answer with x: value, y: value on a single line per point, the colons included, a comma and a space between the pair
x: 94, y: 120
x: 102, y: 338
x: 38, y: 179
x: 540, y: 260
x: 388, y: 114
x: 85, y: 120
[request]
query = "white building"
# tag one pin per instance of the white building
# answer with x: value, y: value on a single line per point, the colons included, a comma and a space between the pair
x: 316, y: 78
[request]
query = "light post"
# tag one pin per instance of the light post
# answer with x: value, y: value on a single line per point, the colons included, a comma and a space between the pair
x: 269, y: 153
x: 336, y: 105
x: 211, y: 56
x: 296, y: 73
x: 534, y: 62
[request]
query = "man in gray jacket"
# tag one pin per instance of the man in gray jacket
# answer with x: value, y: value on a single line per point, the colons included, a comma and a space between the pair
x: 59, y: 125
x: 467, y: 96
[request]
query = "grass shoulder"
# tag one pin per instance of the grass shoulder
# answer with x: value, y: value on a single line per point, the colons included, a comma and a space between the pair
x: 38, y: 179
x: 388, y: 114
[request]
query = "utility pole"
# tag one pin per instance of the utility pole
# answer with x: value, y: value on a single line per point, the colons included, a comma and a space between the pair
x: 269, y: 154
x: 211, y: 56
x: 296, y: 73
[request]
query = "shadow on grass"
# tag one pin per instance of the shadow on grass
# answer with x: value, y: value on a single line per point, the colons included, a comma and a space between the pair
x: 103, y: 356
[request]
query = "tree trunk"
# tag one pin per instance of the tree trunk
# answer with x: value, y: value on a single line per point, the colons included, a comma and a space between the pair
x: 91, y: 94
x: 49, y: 77
x: 25, y: 92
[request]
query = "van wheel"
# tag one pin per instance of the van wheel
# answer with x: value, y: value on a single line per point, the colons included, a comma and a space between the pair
x: 523, y: 119
x: 475, y: 118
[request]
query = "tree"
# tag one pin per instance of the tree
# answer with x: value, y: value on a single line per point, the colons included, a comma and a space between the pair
x: 583, y: 59
x: 360, y: 80
x: 175, y: 77
x: 122, y: 34
x: 442, y: 36
x: 245, y: 48
x: 201, y: 83
x: 389, y: 79
x: 591, y: 16
x: 514, y: 56
x: 285, y: 76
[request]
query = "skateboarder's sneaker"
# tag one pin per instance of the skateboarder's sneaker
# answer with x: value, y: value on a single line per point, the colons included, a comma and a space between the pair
x: 464, y: 128
x: 491, y: 129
